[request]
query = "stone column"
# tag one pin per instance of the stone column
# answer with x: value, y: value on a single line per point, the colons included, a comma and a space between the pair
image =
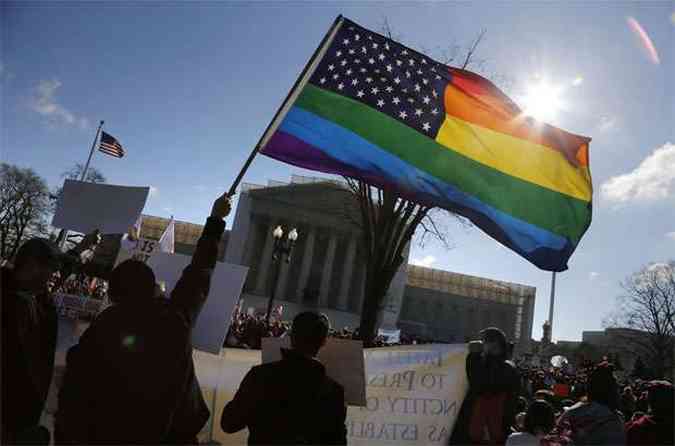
x: 248, y: 255
x: 343, y: 300
x: 306, y: 265
x: 359, y: 291
x: 327, y: 271
x: 265, y: 266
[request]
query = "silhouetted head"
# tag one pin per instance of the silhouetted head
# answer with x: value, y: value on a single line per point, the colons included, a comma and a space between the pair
x: 309, y: 333
x: 131, y: 280
x: 34, y: 264
x: 661, y: 399
x: 602, y: 385
x: 494, y: 341
x: 540, y: 418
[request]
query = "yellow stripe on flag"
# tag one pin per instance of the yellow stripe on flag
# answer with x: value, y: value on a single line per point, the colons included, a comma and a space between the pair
x: 517, y: 157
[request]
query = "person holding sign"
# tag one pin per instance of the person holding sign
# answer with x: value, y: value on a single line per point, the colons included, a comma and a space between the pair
x: 291, y: 401
x: 131, y: 377
x: 489, y: 409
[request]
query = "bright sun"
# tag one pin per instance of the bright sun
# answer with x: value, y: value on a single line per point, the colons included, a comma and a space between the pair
x: 542, y: 101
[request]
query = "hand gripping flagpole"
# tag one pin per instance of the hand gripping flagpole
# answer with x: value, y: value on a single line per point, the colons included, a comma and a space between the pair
x: 292, y: 95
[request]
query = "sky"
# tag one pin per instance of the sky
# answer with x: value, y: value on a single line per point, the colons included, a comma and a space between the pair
x: 189, y: 88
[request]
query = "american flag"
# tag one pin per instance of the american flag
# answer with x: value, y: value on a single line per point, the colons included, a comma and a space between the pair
x: 389, y: 77
x: 110, y: 146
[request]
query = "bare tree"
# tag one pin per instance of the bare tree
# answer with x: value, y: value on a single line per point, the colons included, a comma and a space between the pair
x: 93, y: 174
x: 647, y: 310
x: 388, y: 223
x: 24, y: 206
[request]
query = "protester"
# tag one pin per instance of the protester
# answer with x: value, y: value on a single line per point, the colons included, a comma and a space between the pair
x: 597, y: 420
x: 628, y: 402
x: 656, y: 428
x: 131, y: 378
x: 291, y: 401
x: 537, y: 425
x: 489, y: 409
x: 29, y: 333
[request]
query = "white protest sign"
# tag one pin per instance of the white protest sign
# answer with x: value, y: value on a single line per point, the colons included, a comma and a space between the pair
x: 414, y: 394
x: 214, y: 320
x: 343, y: 359
x: 141, y: 249
x: 112, y: 209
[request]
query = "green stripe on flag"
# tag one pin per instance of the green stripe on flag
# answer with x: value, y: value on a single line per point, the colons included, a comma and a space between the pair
x: 548, y: 209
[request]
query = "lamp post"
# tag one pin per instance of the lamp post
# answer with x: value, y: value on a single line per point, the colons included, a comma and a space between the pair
x: 282, y: 248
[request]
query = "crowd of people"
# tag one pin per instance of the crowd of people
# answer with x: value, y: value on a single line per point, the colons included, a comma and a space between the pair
x: 247, y: 330
x: 134, y: 365
x: 79, y: 285
x: 548, y: 406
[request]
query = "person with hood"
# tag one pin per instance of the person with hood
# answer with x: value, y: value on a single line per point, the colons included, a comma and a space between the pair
x: 489, y: 409
x: 291, y: 401
x: 656, y: 428
x: 596, y: 420
x: 29, y: 333
x: 131, y: 377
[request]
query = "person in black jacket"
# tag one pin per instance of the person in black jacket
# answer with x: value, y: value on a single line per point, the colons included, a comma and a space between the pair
x: 29, y: 332
x: 131, y: 377
x: 489, y: 409
x: 291, y: 401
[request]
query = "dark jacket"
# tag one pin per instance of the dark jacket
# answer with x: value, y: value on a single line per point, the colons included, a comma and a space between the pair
x: 29, y: 329
x: 131, y: 378
x: 487, y: 377
x: 291, y: 401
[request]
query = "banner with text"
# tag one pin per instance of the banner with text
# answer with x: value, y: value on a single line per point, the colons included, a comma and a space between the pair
x: 413, y: 393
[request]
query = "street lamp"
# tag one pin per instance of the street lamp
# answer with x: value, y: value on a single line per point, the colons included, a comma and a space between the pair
x: 282, y: 247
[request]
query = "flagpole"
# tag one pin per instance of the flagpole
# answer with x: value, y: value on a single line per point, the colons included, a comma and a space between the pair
x: 63, y: 233
x: 91, y: 152
x: 551, y: 304
x: 292, y: 95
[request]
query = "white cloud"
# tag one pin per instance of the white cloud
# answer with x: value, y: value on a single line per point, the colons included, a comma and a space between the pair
x: 607, y: 123
x: 44, y: 103
x: 593, y: 275
x: 425, y: 261
x: 671, y: 235
x: 577, y: 81
x: 168, y: 210
x: 653, y: 179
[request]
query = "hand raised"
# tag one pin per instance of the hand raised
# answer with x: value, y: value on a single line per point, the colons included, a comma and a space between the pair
x: 221, y: 207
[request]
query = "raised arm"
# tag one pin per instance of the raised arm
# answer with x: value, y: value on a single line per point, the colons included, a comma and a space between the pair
x: 192, y: 289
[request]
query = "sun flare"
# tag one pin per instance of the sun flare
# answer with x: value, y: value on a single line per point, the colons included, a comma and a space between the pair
x: 542, y: 101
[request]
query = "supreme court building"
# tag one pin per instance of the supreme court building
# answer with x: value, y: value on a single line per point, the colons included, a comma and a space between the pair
x: 327, y: 271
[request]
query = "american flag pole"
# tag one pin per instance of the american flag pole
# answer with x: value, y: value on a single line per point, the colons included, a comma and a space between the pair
x: 91, y: 152
x: 300, y: 82
x: 63, y: 233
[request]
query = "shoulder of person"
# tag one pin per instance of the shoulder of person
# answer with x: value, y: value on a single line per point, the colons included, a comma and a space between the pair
x: 333, y: 386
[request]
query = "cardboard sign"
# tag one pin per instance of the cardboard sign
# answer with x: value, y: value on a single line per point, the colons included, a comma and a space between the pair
x: 214, y: 320
x: 343, y: 359
x: 112, y: 209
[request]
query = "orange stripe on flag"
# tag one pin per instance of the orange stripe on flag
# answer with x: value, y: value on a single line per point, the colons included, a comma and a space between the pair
x: 474, y: 99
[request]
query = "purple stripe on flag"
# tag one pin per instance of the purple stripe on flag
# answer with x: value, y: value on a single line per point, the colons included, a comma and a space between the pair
x: 292, y: 150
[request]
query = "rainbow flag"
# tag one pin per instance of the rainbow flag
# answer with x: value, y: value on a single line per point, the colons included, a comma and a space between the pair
x: 370, y: 108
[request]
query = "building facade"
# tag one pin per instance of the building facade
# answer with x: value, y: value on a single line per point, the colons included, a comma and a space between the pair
x: 327, y: 267
x: 454, y: 307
